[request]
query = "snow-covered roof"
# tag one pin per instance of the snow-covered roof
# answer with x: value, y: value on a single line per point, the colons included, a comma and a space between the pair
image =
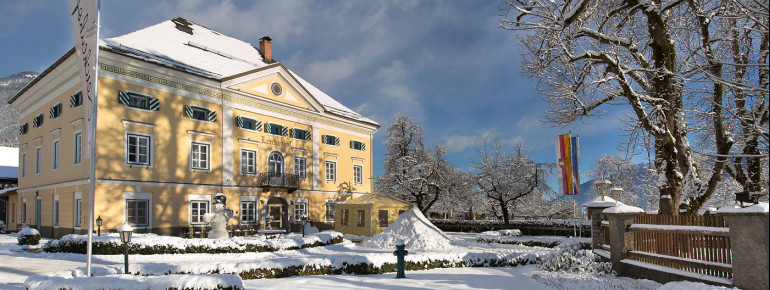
x: 195, y: 49
x: 623, y: 208
x: 761, y: 207
x: 600, y: 202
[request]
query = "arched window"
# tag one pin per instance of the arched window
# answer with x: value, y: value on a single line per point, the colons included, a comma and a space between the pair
x: 275, y: 163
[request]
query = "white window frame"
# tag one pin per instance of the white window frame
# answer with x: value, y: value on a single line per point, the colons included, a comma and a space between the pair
x: 77, y: 150
x: 38, y: 163
x: 330, y: 172
x: 253, y: 215
x: 358, y: 175
x: 193, y: 157
x: 299, y: 209
x: 55, y: 154
x: 150, y: 149
x: 207, y: 111
x: 192, y: 217
x: 273, y: 125
x: 270, y: 162
x: 333, y: 143
x: 78, y: 210
x: 250, y: 120
x: 333, y: 211
x: 245, y: 165
x: 303, y: 170
x: 303, y: 130
x: 127, y: 196
x: 357, y: 142
x: 132, y: 95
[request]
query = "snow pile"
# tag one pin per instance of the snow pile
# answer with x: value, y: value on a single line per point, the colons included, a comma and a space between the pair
x: 415, y: 230
x: 106, y: 279
x: 27, y: 231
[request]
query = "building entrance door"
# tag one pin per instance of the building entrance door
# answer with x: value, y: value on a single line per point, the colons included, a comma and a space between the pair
x: 276, y: 210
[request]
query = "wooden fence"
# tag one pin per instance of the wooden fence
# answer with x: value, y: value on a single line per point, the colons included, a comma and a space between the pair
x: 698, y: 244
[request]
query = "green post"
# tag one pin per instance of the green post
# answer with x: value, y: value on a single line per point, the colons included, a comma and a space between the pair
x: 400, y: 253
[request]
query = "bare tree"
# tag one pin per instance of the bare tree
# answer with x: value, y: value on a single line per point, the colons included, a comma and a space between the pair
x: 411, y: 173
x: 507, y: 178
x: 654, y: 59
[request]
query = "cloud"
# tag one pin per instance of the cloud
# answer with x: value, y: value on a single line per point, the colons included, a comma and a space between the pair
x: 459, y: 143
x: 330, y: 71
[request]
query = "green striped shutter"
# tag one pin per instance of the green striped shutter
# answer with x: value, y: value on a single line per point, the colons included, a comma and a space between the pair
x: 37, y: 121
x: 308, y: 136
x: 336, y: 141
x: 212, y: 116
x: 239, y: 121
x: 74, y: 99
x: 258, y: 126
x: 23, y: 129
x: 188, y: 111
x: 155, y: 104
x: 123, y: 98
x: 363, y: 146
x: 267, y: 127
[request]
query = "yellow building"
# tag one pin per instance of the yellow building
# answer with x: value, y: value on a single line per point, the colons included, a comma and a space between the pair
x: 185, y: 112
x: 370, y: 214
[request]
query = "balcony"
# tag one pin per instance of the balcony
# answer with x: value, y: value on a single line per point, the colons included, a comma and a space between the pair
x: 281, y: 180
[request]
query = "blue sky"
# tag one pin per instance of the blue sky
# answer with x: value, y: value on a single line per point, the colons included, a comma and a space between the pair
x: 443, y: 62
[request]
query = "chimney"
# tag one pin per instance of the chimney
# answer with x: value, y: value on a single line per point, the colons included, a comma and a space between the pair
x: 264, y: 48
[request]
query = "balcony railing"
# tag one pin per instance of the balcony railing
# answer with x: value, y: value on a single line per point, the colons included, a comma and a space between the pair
x: 271, y: 179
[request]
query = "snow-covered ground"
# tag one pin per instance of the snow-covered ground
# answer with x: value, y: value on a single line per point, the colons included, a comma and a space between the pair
x: 17, y: 265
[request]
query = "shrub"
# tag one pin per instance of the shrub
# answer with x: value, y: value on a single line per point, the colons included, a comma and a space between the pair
x: 570, y: 257
x: 28, y: 236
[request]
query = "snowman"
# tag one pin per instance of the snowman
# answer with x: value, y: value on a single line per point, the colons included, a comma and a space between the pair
x: 218, y: 218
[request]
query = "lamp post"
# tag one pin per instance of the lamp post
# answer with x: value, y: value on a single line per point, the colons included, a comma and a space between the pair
x: 125, y: 232
x: 99, y: 221
x: 602, y: 187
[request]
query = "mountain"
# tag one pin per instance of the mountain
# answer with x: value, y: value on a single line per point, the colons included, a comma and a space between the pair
x: 588, y: 190
x: 9, y: 116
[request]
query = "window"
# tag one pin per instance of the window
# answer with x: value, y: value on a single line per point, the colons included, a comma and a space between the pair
x: 200, y: 113
x: 383, y: 214
x: 77, y: 154
x: 55, y: 111
x: 275, y: 163
x: 248, y: 212
x: 78, y: 211
x: 138, y: 101
x: 248, y: 161
x: 300, y: 134
x: 137, y: 212
x: 357, y: 145
x: 276, y: 129
x: 300, y: 167
x: 38, y: 152
x: 358, y: 174
x: 56, y: 213
x: 300, y: 210
x: 198, y: 208
x: 331, y: 140
x: 24, y: 211
x: 23, y: 164
x: 331, y: 171
x: 199, y: 156
x: 55, y: 154
x: 23, y: 129
x: 76, y: 100
x: 138, y: 149
x: 249, y: 123
x: 331, y: 208
x: 361, y: 217
x: 37, y: 121
x: 345, y: 215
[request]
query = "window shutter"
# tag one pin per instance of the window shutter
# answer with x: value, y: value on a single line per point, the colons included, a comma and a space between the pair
x: 352, y: 143
x: 73, y: 100
x: 284, y: 131
x: 188, y: 111
x: 212, y: 116
x: 239, y: 121
x: 23, y: 129
x: 336, y: 141
x: 363, y: 146
x: 323, y: 138
x: 123, y: 98
x: 293, y: 132
x: 258, y: 126
x: 37, y: 121
x: 52, y: 112
x: 155, y: 104
x: 308, y: 136
x: 267, y: 128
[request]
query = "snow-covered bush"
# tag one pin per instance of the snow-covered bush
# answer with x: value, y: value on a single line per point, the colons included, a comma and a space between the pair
x: 569, y: 257
x: 28, y: 236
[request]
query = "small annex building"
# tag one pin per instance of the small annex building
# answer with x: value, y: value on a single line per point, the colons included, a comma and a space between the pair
x: 369, y: 214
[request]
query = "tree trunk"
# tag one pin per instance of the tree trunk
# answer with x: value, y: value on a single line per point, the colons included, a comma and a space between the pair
x: 504, y: 211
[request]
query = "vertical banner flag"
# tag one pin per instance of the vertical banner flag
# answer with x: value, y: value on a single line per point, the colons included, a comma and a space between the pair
x: 85, y: 30
x: 567, y: 157
x: 575, y: 164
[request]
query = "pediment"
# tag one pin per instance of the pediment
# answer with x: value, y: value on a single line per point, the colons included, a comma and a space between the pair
x: 276, y: 85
